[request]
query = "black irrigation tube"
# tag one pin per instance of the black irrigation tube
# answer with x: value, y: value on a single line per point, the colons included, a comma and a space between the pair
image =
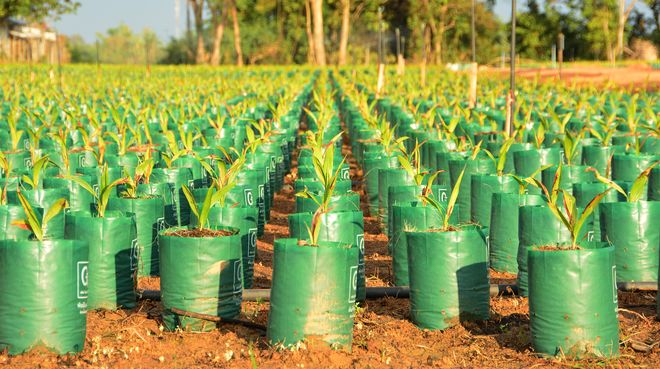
x: 258, y: 294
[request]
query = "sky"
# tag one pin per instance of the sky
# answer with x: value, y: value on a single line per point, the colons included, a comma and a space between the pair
x: 97, y: 16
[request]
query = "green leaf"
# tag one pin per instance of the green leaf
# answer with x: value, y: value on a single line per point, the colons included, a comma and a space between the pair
x: 559, y: 215
x: 540, y: 135
x: 206, y: 208
x: 436, y: 205
x: 221, y: 194
x: 31, y: 217
x: 38, y: 166
x: 587, y: 211
x: 476, y: 150
x: 430, y: 179
x: 29, y: 181
x: 405, y: 164
x: 207, y: 167
x: 191, y: 200
x: 568, y: 144
x: 541, y: 169
x: 54, y: 210
x: 104, y: 196
x: 608, y: 182
x: 308, y: 195
x: 639, y: 185
x: 328, y: 156
x: 555, y: 184
x: 453, y: 197
x: 320, y: 171
x: 144, y: 167
x: 83, y: 184
x: 569, y: 206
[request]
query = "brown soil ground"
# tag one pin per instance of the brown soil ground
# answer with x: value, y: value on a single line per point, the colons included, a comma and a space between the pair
x: 636, y: 76
x: 383, y: 335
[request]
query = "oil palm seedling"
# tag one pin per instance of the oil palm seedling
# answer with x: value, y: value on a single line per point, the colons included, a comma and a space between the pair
x: 580, y: 269
x: 630, y: 226
x: 437, y: 307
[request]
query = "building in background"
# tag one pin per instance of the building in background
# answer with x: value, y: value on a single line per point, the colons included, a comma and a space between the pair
x: 25, y: 42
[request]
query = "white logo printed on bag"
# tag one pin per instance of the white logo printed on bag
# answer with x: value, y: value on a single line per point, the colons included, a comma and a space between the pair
x: 82, y: 161
x: 345, y: 173
x: 252, y: 239
x: 488, y: 246
x: 160, y: 226
x: 135, y: 254
x: 615, y: 295
x: 238, y: 276
x: 83, y: 277
x: 352, y: 287
x: 249, y: 198
x: 590, y: 236
x: 360, y: 243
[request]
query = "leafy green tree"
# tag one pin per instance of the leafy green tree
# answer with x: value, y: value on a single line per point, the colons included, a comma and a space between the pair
x: 121, y: 46
x: 36, y: 10
x: 80, y: 51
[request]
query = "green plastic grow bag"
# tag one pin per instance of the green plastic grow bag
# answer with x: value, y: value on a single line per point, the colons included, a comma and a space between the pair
x: 573, y: 301
x: 448, y: 277
x: 200, y: 275
x: 43, y: 288
x: 313, y: 294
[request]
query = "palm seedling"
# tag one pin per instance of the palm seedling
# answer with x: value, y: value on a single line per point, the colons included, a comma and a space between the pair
x: 567, y: 212
x: 216, y: 194
x: 445, y: 212
x: 637, y: 189
x: 32, y: 222
x: 327, y: 174
x: 37, y: 171
x: 103, y: 193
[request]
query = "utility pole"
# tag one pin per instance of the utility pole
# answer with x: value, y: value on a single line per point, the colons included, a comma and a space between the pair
x: 474, y: 68
x: 511, y: 99
x: 146, y: 56
x: 59, y: 61
x: 399, y: 58
x: 474, y: 35
x: 422, y: 70
x: 98, y: 59
x: 560, y: 41
x: 403, y: 54
x: 177, y: 14
x: 381, y: 61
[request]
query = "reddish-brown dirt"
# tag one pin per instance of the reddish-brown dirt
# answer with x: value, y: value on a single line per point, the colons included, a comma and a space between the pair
x: 383, y: 335
x: 634, y: 76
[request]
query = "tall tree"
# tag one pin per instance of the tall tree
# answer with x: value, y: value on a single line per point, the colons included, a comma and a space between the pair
x: 654, y: 5
x: 345, y: 27
x: 319, y: 35
x: 601, y: 24
x: 439, y: 22
x: 36, y: 10
x: 624, y: 13
x: 198, y: 12
x: 311, y: 58
x: 218, y: 18
x: 237, y: 33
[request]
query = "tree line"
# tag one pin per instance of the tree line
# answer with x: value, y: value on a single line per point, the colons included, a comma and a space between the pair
x: 346, y: 31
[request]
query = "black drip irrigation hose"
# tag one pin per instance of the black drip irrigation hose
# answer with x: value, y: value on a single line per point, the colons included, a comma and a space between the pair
x: 403, y: 292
